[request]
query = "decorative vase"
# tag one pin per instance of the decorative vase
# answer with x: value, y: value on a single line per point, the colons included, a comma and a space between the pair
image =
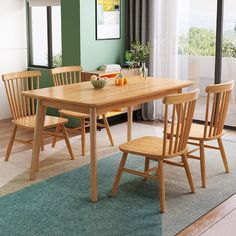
x: 143, y: 71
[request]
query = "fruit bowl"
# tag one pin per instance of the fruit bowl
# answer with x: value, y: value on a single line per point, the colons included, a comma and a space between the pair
x: 99, y: 83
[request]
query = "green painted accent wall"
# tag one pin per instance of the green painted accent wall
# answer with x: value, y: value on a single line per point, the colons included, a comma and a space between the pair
x: 70, y: 14
x: 96, y: 52
x: 44, y: 82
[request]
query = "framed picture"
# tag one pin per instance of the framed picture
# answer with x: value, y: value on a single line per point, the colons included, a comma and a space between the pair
x: 108, y: 19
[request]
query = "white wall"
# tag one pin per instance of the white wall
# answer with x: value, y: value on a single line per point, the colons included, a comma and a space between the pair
x: 13, y: 44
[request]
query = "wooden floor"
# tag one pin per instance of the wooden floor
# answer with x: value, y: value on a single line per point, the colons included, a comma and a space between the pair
x: 218, y: 222
x: 222, y: 217
x: 6, y: 128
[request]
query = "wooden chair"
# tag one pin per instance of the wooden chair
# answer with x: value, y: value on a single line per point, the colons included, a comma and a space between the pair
x: 70, y: 75
x: 163, y: 149
x: 23, y: 109
x: 217, y: 102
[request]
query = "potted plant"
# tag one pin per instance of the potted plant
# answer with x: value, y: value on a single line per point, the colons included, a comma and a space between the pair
x: 138, y: 55
x: 128, y: 59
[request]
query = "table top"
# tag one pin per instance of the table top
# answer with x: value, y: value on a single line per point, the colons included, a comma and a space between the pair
x: 85, y: 95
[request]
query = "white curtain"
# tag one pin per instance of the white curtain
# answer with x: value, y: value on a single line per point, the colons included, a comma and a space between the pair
x: 164, y: 43
x: 37, y: 3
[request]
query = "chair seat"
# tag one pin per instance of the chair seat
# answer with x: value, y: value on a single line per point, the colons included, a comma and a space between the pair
x: 197, y: 133
x: 149, y: 146
x: 50, y: 121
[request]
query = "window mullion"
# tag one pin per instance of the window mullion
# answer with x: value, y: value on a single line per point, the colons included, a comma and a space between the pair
x: 219, y: 41
x: 49, y: 29
x: 30, y: 37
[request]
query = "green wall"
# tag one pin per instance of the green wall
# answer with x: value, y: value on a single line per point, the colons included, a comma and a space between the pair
x: 96, y: 52
x: 70, y: 23
x: 79, y: 44
x: 46, y: 81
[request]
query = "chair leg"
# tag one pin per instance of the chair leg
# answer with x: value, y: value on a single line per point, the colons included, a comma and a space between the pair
x: 37, y: 164
x: 54, y: 140
x: 108, y: 129
x: 9, y: 148
x: 146, y: 166
x: 42, y: 143
x: 118, y: 175
x: 67, y: 142
x: 160, y: 172
x: 203, y: 164
x: 83, y: 131
x: 223, y: 155
x: 188, y: 173
x: 98, y: 127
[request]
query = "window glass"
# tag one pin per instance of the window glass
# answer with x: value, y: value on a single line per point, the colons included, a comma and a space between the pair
x: 39, y: 43
x: 196, y: 46
x: 45, y: 41
x: 229, y: 55
x: 56, y: 36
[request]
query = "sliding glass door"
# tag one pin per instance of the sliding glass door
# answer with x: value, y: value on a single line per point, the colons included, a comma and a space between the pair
x: 198, y: 24
x: 196, y: 46
x: 229, y: 54
x: 195, y: 40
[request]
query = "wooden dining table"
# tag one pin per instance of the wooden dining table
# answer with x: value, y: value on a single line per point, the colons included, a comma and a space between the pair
x: 82, y: 97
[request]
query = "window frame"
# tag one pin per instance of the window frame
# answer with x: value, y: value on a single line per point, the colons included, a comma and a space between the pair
x: 49, y: 39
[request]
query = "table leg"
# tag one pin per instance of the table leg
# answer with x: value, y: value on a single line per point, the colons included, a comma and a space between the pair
x: 93, y: 154
x: 129, y: 123
x: 179, y: 90
x: 38, y: 130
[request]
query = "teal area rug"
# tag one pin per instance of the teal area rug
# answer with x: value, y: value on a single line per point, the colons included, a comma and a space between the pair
x: 61, y: 205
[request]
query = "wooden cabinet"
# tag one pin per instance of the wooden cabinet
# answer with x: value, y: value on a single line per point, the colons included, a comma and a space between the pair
x: 85, y: 76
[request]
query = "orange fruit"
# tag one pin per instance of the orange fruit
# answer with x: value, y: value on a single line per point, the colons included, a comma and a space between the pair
x: 116, y: 81
x: 120, y: 81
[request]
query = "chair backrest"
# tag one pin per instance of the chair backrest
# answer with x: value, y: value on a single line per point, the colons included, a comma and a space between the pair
x: 176, y: 134
x: 15, y: 83
x: 66, y: 75
x: 218, y: 97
